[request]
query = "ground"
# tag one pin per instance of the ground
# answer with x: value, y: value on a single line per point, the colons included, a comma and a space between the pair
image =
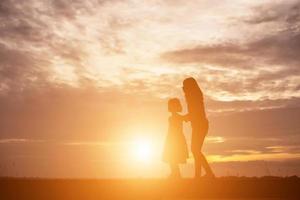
x: 86, y: 189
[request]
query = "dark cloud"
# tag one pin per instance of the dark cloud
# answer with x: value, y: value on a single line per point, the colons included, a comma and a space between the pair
x: 68, y: 9
x: 20, y: 24
x: 20, y: 69
x: 71, y: 8
x: 30, y: 40
x: 226, y: 107
x: 288, y: 12
x: 220, y: 55
x: 273, y: 47
x: 273, y: 58
x: 280, y: 49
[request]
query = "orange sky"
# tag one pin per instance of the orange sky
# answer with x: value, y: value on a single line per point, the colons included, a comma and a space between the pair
x: 82, y: 81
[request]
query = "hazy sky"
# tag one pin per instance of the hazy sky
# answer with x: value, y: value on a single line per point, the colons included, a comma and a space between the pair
x: 81, y: 82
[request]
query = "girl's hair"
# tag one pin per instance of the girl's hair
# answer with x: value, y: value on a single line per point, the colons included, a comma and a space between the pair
x: 174, y: 105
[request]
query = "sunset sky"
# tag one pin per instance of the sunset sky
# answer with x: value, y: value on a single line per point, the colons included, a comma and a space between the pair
x: 84, y: 85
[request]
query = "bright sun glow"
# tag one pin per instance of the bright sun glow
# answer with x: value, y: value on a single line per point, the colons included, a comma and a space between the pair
x: 143, y: 150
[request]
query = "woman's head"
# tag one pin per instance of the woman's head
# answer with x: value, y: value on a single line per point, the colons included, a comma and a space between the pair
x: 190, y: 85
x: 174, y: 105
x: 192, y: 92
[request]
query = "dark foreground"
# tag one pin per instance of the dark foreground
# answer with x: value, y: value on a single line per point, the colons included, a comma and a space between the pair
x: 219, y: 188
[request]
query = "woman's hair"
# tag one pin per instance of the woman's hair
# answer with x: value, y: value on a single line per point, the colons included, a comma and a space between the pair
x: 174, y: 105
x: 191, y: 89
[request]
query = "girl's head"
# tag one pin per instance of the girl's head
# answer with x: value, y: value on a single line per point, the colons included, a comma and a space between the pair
x: 174, y: 105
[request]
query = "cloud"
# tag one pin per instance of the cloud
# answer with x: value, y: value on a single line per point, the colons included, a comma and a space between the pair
x: 260, y: 123
x: 106, y: 144
x: 273, y: 55
x: 87, y: 71
x: 224, y: 107
x: 43, y: 45
x: 286, y: 11
x: 280, y: 49
x: 262, y: 65
x: 64, y: 113
x: 288, y: 167
x: 18, y: 141
x: 19, y: 70
x: 250, y: 146
x: 215, y: 139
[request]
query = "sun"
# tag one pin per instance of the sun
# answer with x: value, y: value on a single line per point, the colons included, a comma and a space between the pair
x: 143, y: 150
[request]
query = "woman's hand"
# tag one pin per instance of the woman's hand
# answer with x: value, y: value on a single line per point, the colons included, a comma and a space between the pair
x: 186, y: 117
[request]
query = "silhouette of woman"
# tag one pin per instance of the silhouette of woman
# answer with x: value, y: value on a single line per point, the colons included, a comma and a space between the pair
x: 196, y: 115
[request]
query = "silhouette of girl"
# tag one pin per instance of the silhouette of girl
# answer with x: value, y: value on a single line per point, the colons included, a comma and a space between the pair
x: 196, y: 115
x: 175, y: 149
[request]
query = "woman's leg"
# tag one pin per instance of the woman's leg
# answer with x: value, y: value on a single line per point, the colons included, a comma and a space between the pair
x: 200, y: 159
x: 197, y: 164
x: 205, y: 165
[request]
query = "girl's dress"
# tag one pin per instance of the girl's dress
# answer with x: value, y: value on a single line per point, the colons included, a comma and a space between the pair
x: 175, y: 149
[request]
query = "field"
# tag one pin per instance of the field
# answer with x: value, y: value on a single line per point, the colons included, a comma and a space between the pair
x: 219, y: 188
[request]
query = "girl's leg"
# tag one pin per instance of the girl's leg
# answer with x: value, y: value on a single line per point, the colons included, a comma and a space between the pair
x: 175, y: 172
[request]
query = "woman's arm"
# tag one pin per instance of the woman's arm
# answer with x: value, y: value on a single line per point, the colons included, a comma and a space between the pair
x: 186, y: 117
